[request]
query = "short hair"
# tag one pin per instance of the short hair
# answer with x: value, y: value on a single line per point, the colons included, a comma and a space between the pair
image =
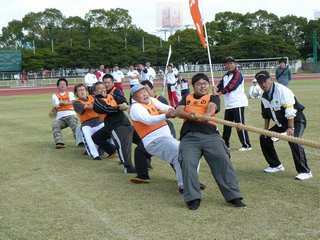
x: 62, y: 79
x: 147, y: 82
x: 283, y: 60
x: 77, y: 86
x: 108, y: 76
x: 96, y: 84
x: 199, y: 76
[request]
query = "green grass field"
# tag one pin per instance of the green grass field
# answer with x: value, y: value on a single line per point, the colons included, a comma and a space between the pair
x: 62, y: 194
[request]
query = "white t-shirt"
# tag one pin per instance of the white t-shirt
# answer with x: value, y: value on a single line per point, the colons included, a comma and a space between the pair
x: 140, y: 114
x: 55, y: 101
x: 170, y: 78
x: 131, y: 75
x: 90, y: 79
x: 152, y: 74
x: 118, y: 76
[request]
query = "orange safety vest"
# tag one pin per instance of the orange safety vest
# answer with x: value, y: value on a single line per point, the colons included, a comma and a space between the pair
x: 64, y: 98
x: 144, y: 129
x: 198, y: 105
x: 87, y: 113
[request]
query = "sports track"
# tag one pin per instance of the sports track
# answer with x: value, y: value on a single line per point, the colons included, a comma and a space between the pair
x: 51, y: 89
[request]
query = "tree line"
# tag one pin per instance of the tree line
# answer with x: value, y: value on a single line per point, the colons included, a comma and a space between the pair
x: 48, y: 40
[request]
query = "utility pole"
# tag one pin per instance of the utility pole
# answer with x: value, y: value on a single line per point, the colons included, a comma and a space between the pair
x: 316, y: 46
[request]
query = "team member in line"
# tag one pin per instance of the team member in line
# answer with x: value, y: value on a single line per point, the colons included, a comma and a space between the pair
x: 108, y: 82
x: 148, y: 117
x: 235, y: 100
x: 90, y: 120
x: 117, y: 125
x: 280, y: 105
x: 102, y: 138
x: 200, y: 138
x: 65, y: 116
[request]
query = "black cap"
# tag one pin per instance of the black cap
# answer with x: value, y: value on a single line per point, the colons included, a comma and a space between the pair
x: 229, y: 59
x: 262, y: 76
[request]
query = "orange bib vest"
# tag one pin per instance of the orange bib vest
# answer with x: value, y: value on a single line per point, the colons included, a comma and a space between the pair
x: 110, y: 101
x: 144, y: 129
x: 88, y: 113
x: 64, y: 98
x: 198, y: 106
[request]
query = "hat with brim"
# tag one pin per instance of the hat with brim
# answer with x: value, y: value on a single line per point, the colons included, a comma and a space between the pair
x: 262, y: 76
x: 229, y: 59
x: 136, y: 88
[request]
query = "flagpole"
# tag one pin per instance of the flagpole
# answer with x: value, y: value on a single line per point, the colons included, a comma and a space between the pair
x: 164, y: 80
x: 209, y: 56
x: 208, y: 49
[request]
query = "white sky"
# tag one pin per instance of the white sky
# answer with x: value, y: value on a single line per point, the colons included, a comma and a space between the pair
x: 144, y: 12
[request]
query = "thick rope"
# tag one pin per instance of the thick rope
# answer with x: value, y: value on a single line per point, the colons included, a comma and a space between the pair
x: 260, y: 131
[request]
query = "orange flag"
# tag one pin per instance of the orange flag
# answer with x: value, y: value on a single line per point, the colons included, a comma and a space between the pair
x: 197, y: 19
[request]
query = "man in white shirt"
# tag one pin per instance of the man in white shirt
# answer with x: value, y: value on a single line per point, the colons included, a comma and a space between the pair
x: 143, y: 72
x: 151, y: 72
x: 231, y: 87
x: 134, y: 77
x: 100, y: 73
x: 118, y: 77
x: 170, y: 80
x: 66, y: 116
x: 148, y: 117
x: 90, y: 79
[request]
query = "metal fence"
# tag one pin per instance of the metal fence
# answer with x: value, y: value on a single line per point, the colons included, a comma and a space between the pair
x: 47, y: 78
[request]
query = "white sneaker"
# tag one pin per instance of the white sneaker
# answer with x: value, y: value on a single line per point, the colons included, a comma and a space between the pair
x: 304, y: 176
x: 274, y: 169
x: 274, y: 139
x: 243, y: 149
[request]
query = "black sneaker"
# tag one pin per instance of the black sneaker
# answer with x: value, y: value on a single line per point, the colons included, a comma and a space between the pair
x: 97, y: 158
x: 129, y: 170
x: 193, y: 204
x: 237, y: 202
x: 180, y: 189
x: 202, y: 186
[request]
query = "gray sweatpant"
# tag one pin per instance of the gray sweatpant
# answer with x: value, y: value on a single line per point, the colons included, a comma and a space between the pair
x: 61, y: 123
x: 193, y: 146
x: 167, y: 149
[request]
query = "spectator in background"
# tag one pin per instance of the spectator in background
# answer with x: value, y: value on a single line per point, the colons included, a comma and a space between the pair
x: 184, y: 85
x: 134, y: 77
x: 170, y: 80
x: 143, y: 72
x: 100, y: 73
x: 231, y: 87
x: 90, y: 79
x: 151, y: 72
x: 107, y: 70
x: 255, y: 91
x: 65, y: 116
x: 283, y: 72
x: 118, y: 77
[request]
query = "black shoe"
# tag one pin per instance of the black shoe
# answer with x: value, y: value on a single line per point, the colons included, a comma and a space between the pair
x: 149, y: 166
x: 129, y: 170
x: 202, y: 186
x: 97, y: 158
x: 237, y: 202
x: 193, y: 204
x: 180, y: 189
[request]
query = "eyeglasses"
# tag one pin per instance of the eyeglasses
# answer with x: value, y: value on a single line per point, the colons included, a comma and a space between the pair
x: 199, y: 84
